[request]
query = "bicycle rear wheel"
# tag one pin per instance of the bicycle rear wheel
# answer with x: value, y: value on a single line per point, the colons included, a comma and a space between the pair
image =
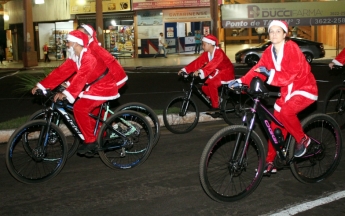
x: 124, y: 153
x: 71, y: 138
x: 222, y: 176
x: 232, y: 107
x: 181, y: 116
x: 28, y: 160
x: 324, y: 152
x: 148, y: 113
x: 334, y: 104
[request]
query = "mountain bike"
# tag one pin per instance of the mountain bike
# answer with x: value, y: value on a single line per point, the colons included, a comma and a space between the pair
x: 233, y: 160
x: 335, y: 101
x: 182, y: 113
x: 37, y: 151
x: 73, y: 140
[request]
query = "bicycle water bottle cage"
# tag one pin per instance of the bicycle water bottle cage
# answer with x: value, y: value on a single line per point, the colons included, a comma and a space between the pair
x: 257, y: 87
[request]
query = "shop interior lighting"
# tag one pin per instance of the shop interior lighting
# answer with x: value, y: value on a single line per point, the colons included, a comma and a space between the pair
x: 39, y: 1
x: 6, y: 17
x: 113, y: 22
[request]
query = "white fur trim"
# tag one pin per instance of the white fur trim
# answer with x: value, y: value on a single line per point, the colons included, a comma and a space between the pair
x: 88, y: 29
x: 75, y: 39
x: 70, y: 98
x: 209, y: 41
x: 278, y: 23
x: 270, y: 78
x: 98, y: 97
x: 277, y: 107
x: 202, y: 74
x: 122, y: 81
x: 337, y: 62
x: 40, y: 86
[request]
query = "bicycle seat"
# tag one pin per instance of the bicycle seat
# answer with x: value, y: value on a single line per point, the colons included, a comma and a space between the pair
x: 257, y: 87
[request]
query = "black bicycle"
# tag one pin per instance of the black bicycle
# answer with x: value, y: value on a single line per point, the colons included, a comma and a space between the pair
x: 37, y: 151
x: 73, y: 140
x: 335, y: 100
x: 182, y: 114
x: 233, y: 160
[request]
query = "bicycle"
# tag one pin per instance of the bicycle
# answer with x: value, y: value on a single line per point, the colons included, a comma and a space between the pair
x: 37, y: 151
x: 335, y: 101
x: 73, y: 141
x: 232, y: 162
x: 182, y: 114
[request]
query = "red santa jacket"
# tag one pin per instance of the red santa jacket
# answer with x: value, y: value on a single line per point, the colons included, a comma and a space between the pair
x: 291, y: 72
x: 212, y: 65
x: 114, y: 67
x: 340, y: 58
x: 85, y: 71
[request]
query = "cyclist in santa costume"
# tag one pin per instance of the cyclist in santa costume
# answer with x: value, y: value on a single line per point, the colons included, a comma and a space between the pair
x: 103, y: 54
x: 339, y: 59
x: 91, y: 85
x: 284, y: 65
x: 214, y: 65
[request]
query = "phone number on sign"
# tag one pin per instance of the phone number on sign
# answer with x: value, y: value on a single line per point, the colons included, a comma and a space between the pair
x: 325, y: 21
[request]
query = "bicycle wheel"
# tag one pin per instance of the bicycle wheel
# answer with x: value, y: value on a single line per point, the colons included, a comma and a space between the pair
x: 148, y: 113
x: 124, y: 153
x: 324, y: 152
x: 28, y: 160
x: 232, y: 107
x: 71, y: 138
x: 178, y: 122
x: 222, y: 176
x: 335, y: 104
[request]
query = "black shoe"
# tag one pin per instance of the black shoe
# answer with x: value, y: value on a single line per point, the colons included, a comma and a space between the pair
x: 212, y: 110
x: 165, y: 57
x: 87, y: 148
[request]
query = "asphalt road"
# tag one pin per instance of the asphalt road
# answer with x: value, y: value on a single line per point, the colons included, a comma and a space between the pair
x: 168, y: 182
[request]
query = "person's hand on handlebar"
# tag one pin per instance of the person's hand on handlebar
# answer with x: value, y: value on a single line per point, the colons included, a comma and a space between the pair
x: 196, y: 73
x: 33, y: 91
x: 233, y: 84
x: 59, y: 96
x: 331, y: 65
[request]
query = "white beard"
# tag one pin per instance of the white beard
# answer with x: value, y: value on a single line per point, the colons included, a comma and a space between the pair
x: 72, y: 54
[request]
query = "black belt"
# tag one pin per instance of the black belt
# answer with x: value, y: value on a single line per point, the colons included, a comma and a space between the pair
x: 96, y: 80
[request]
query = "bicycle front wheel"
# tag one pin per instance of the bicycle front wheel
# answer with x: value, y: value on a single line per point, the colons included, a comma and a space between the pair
x: 71, y: 138
x: 134, y: 148
x: 335, y: 104
x: 226, y: 176
x: 324, y: 152
x: 148, y: 113
x: 181, y: 115
x: 34, y: 157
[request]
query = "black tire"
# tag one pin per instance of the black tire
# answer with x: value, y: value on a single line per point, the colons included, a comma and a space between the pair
x: 309, y: 57
x: 177, y: 123
x: 24, y: 158
x: 71, y: 138
x: 232, y: 107
x: 125, y: 153
x: 148, y: 113
x: 334, y: 104
x: 221, y: 177
x: 252, y: 60
x: 321, y: 159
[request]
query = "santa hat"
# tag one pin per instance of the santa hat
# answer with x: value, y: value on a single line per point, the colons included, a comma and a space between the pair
x: 210, y: 39
x: 279, y: 23
x: 78, y: 37
x: 90, y: 30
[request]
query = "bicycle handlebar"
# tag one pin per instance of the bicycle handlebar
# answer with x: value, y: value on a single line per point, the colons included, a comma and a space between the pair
x: 337, y: 67
x: 246, y: 89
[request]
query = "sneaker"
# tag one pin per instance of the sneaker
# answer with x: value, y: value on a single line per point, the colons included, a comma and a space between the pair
x: 87, y: 147
x: 301, y: 147
x: 212, y: 110
x: 270, y: 169
x: 165, y: 57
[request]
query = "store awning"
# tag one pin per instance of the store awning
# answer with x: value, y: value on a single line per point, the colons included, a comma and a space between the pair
x: 118, y: 15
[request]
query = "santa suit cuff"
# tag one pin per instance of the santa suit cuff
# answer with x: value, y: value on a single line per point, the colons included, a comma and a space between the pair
x: 40, y: 86
x: 337, y: 63
x: 70, y: 98
x: 270, y: 78
x: 201, y: 74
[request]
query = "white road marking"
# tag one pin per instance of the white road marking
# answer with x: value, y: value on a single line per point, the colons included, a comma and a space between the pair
x: 9, y: 75
x: 309, y: 205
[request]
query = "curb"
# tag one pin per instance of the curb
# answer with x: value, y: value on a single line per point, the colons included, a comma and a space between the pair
x: 6, y: 134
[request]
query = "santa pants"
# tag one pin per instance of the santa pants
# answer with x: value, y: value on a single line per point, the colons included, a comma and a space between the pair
x: 81, y: 110
x: 288, y: 117
x: 211, y: 89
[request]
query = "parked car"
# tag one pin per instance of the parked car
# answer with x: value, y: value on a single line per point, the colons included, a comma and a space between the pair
x: 251, y: 56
